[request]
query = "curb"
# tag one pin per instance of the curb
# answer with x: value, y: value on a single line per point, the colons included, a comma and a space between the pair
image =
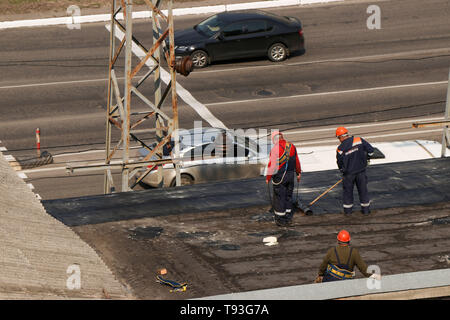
x: 76, y: 20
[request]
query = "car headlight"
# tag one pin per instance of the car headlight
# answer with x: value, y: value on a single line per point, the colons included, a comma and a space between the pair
x: 184, y: 48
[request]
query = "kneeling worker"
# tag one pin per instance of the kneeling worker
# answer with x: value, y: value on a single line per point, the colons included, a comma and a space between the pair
x: 339, y: 262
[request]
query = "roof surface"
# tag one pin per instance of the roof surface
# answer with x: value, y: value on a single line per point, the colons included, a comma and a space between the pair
x: 211, y: 236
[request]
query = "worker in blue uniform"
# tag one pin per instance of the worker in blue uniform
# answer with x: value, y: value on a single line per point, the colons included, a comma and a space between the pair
x: 352, y: 157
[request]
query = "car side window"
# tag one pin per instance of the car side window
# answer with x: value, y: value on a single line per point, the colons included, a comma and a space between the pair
x: 201, y: 152
x: 256, y: 26
x: 234, y: 29
x: 269, y: 26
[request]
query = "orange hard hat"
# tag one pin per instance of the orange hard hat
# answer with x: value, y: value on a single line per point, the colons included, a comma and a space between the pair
x: 340, y: 131
x: 343, y: 236
x: 276, y: 133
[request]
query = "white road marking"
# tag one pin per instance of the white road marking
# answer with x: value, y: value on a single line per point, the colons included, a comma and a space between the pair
x: 147, y: 14
x: 62, y: 168
x: 3, y: 149
x: 52, y: 83
x: 331, y: 93
x: 43, y: 169
x: 86, y: 152
x: 9, y: 158
x: 297, y: 144
x: 300, y: 144
x: 199, y: 107
x: 22, y: 175
x: 350, y: 59
x: 215, y: 71
x: 363, y: 125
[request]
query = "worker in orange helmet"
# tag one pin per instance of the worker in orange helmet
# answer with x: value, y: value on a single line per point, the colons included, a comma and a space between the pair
x: 352, y: 155
x: 339, y: 261
x: 283, y: 165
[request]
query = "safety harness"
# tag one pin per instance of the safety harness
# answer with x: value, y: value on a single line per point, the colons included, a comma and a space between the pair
x: 340, y: 271
x: 282, y: 160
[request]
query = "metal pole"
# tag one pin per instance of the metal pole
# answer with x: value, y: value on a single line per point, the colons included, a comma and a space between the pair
x: 174, y: 95
x: 157, y: 81
x: 127, y: 94
x: 445, y: 132
x: 119, y: 104
x: 38, y: 142
x: 112, y: 43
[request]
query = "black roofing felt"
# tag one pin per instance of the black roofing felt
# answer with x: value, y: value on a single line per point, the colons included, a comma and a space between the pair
x: 390, y: 185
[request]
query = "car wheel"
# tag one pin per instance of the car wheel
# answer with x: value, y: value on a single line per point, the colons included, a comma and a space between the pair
x: 277, y: 52
x: 200, y: 59
x: 186, y: 180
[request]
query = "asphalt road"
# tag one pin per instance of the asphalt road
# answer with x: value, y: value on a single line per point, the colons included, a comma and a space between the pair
x: 55, y: 79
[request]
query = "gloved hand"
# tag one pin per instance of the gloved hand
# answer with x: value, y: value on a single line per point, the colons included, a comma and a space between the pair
x: 376, y: 276
x: 318, y: 279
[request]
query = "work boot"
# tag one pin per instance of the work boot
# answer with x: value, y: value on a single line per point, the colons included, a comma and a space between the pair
x: 282, y: 221
x: 365, y: 211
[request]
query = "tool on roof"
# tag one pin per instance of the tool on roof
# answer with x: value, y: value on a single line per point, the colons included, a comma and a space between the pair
x: 177, y: 286
x: 308, y: 210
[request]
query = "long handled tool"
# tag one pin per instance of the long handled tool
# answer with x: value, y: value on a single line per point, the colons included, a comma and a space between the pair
x: 308, y: 210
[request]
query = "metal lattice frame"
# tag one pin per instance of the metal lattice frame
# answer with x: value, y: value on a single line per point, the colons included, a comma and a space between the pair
x: 119, y: 105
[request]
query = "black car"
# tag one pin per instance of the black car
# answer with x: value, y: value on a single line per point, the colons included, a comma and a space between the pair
x: 240, y: 34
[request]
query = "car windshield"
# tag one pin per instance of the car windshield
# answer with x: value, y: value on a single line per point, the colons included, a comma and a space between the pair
x: 210, y: 26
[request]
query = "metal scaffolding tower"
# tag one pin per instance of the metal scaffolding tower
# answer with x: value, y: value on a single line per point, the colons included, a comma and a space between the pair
x: 119, y: 113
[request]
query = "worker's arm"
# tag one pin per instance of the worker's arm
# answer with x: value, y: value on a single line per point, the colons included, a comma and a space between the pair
x: 273, y: 157
x: 339, y: 159
x: 298, y: 166
x: 359, y: 262
x: 324, y: 264
x: 368, y: 148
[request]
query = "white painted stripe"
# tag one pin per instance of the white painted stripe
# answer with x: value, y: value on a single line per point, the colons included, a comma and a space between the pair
x: 349, y: 59
x: 385, y: 123
x: 44, y: 169
x: 86, y: 152
x: 316, y: 142
x: 331, y: 93
x: 9, y: 158
x: 146, y: 14
x: 273, y: 65
x: 3, y: 149
x: 52, y: 83
x: 22, y: 175
x: 64, y: 168
x: 200, y: 108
